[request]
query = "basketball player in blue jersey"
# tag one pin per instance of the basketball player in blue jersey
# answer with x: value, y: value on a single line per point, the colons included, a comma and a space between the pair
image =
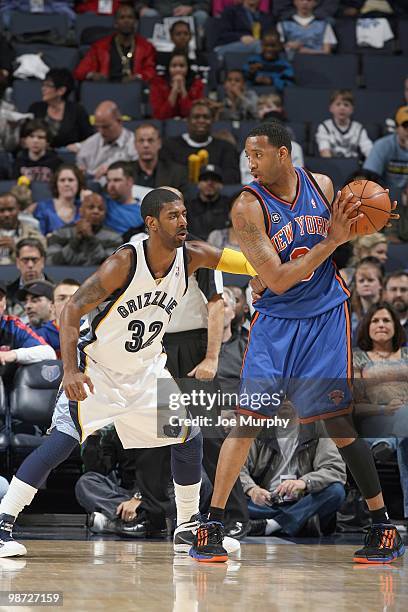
x: 299, y: 344
x: 112, y: 365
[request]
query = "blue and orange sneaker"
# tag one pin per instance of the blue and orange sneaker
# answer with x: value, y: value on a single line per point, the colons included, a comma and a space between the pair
x: 382, y: 544
x: 208, y: 544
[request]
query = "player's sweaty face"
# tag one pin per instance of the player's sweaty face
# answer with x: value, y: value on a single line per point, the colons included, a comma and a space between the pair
x: 263, y: 159
x: 173, y: 224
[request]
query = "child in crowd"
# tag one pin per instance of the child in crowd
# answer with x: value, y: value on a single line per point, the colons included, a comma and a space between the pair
x: 304, y: 33
x: 269, y: 67
x: 36, y: 161
x: 240, y: 103
x: 341, y: 136
x: 173, y: 94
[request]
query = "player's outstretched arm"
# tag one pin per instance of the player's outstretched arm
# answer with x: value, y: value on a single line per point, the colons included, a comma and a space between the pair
x: 200, y: 254
x: 249, y: 226
x: 111, y: 275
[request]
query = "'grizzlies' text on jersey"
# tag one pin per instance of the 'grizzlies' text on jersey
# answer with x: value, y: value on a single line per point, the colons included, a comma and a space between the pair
x: 126, y: 330
x: 294, y: 229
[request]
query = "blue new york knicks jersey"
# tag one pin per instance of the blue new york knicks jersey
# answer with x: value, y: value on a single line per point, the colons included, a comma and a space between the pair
x: 294, y: 229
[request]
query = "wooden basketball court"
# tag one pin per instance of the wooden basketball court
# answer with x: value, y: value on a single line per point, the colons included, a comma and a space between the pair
x: 268, y: 574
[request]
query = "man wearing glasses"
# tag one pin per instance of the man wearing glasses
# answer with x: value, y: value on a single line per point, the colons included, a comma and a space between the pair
x: 30, y: 262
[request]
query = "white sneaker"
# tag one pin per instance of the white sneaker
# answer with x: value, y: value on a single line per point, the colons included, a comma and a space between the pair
x: 231, y: 545
x: 185, y: 532
x: 99, y: 523
x: 11, y: 548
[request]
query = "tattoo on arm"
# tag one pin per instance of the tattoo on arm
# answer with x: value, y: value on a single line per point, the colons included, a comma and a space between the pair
x: 252, y: 240
x: 91, y: 291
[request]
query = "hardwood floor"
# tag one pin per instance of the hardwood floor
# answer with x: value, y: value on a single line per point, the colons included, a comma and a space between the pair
x: 103, y: 574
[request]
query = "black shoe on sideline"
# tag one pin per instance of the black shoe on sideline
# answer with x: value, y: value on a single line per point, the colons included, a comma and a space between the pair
x: 257, y: 527
x: 237, y: 530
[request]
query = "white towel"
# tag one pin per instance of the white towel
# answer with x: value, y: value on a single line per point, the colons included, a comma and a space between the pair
x: 373, y: 32
x: 30, y: 65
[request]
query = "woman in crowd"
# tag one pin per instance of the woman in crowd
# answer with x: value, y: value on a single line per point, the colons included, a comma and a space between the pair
x: 373, y: 245
x: 67, y: 120
x: 173, y: 94
x: 381, y: 372
x: 66, y: 186
x: 366, y: 290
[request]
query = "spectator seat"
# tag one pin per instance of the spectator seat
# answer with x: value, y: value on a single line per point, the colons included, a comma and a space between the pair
x: 174, y: 127
x: 6, y: 164
x: 146, y: 25
x: 326, y: 71
x: 231, y: 190
x: 299, y: 130
x: 128, y: 96
x: 374, y: 106
x: 235, y: 61
x: 337, y: 168
x: 53, y: 56
x: 212, y: 29
x: 91, y: 20
x: 40, y: 191
x: 32, y: 400
x: 384, y: 73
x: 68, y: 157
x: 306, y: 104
x: 241, y: 132
x: 23, y: 23
x: 25, y: 92
x: 402, y: 29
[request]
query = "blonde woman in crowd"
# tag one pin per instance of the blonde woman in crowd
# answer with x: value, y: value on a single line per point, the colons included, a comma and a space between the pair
x: 373, y: 245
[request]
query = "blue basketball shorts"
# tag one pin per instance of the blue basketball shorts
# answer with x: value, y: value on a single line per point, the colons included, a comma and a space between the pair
x: 307, y: 361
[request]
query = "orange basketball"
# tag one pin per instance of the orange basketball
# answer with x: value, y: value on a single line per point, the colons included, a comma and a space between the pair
x: 375, y: 206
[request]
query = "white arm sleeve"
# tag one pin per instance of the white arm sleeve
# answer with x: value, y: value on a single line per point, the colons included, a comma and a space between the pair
x: 33, y: 354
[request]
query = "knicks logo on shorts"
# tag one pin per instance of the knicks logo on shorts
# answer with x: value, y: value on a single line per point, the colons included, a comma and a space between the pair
x: 336, y: 396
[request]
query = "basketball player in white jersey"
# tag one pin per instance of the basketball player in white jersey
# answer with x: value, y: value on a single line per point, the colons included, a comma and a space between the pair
x: 112, y: 365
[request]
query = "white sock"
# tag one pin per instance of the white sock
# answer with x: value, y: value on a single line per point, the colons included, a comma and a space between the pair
x: 271, y: 526
x: 19, y: 494
x: 187, y: 501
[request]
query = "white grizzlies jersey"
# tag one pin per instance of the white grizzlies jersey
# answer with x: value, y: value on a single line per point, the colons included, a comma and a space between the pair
x: 126, y: 331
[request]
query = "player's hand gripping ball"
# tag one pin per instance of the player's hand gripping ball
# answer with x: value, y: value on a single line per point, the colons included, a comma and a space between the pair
x: 376, y: 206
